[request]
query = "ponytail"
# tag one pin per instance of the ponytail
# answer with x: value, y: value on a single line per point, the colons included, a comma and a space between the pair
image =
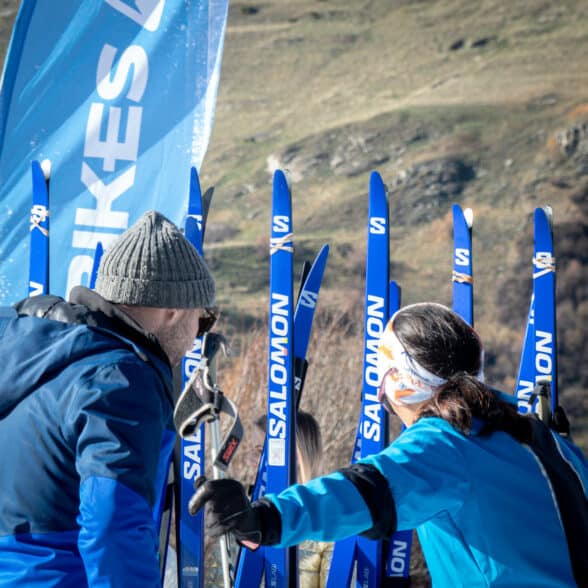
x: 464, y: 398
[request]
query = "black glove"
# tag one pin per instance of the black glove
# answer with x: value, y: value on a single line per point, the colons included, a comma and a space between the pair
x: 229, y: 509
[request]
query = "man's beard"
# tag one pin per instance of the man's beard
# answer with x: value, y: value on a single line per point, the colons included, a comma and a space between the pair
x: 175, y: 340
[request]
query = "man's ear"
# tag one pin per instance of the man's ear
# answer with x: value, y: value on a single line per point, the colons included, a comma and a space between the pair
x: 173, y: 315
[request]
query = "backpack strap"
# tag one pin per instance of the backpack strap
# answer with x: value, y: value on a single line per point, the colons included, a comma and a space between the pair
x: 569, y: 495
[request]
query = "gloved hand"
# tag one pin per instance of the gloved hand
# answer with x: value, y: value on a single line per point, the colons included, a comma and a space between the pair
x: 230, y: 510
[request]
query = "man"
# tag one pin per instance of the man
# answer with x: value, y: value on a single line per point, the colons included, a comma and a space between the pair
x: 86, y: 412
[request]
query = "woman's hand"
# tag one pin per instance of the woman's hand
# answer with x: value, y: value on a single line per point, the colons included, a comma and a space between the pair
x: 230, y: 510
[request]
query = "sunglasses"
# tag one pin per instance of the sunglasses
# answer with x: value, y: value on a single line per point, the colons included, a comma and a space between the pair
x: 206, y: 321
x: 382, y: 393
x: 382, y: 387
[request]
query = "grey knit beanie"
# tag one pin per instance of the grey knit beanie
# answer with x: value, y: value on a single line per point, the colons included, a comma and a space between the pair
x: 153, y: 264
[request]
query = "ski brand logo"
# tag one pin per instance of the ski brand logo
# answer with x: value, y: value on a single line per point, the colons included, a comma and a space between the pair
x: 280, y: 223
x: 39, y: 214
x: 524, y: 390
x: 121, y: 81
x: 198, y: 219
x: 398, y: 560
x: 544, y: 263
x: 192, y: 449
x: 525, y: 386
x: 297, y: 383
x: 374, y: 326
x: 308, y: 298
x: 35, y: 288
x: 192, y: 359
x: 279, y: 374
x: 543, y: 368
x: 146, y: 13
x: 543, y: 355
x: 462, y: 256
x: 377, y: 225
x: 232, y: 445
x: 192, y: 452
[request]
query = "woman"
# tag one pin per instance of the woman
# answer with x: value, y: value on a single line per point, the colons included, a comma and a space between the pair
x: 314, y: 556
x: 486, y: 489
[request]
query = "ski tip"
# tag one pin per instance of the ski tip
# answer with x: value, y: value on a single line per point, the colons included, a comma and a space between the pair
x: 376, y: 180
x: 468, y: 215
x: 46, y: 168
x: 544, y: 214
x: 282, y: 179
x: 288, y: 178
x: 393, y: 286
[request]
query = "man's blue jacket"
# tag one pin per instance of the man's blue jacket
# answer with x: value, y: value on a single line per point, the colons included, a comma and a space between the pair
x: 85, y: 423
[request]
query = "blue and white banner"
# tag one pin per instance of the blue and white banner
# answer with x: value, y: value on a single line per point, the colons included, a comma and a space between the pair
x: 119, y: 95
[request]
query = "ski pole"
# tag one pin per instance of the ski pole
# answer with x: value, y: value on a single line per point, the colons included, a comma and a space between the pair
x: 203, y: 401
x: 218, y: 473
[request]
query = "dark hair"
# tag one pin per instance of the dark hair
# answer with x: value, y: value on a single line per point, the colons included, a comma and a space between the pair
x: 309, y: 443
x: 443, y: 343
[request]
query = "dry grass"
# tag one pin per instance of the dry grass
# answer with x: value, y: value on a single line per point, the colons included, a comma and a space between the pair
x: 331, y: 392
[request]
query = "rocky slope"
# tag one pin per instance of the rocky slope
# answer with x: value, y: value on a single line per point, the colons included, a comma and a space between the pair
x: 483, y: 105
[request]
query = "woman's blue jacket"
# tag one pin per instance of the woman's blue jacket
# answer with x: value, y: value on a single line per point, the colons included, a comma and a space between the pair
x: 483, y: 506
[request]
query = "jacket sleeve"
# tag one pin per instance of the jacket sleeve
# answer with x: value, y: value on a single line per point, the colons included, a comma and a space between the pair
x: 417, y: 477
x: 426, y: 471
x: 119, y: 423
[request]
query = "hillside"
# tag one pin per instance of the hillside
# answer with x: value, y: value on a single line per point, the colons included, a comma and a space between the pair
x: 483, y: 105
x: 451, y: 102
x: 480, y: 105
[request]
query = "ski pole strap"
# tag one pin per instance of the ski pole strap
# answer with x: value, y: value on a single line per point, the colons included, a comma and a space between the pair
x: 200, y: 403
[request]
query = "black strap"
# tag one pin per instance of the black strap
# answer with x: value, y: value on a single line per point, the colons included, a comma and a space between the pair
x: 571, y: 500
x: 375, y: 491
x: 203, y: 401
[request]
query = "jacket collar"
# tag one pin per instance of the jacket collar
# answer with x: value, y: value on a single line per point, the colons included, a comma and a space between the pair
x: 111, y: 317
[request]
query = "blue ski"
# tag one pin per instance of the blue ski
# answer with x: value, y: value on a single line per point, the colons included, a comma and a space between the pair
x: 281, y: 429
x: 526, y: 376
x: 190, y: 529
x: 372, y: 430
x: 463, y: 278
x: 39, y: 229
x: 304, y: 316
x: 195, y: 217
x: 400, y: 547
x: 545, y: 343
x: 251, y: 563
x: 539, y: 353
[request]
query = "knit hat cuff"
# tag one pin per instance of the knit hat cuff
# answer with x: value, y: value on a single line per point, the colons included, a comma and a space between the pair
x: 165, y: 294
x: 153, y: 264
